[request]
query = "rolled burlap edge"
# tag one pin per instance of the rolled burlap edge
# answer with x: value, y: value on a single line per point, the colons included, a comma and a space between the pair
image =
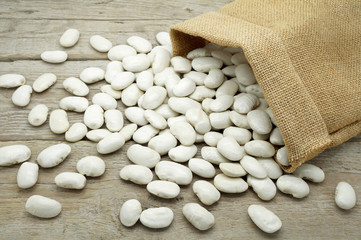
x: 304, y: 131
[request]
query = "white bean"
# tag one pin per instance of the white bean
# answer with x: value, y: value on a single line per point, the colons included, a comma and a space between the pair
x: 182, y: 105
x: 119, y: 52
x: 97, y: 134
x: 220, y: 120
x: 38, y: 115
x: 154, y: 97
x: 128, y: 131
x: 91, y: 166
x: 157, y: 217
x: 135, y: 115
x: 212, y: 138
x: 70, y: 180
x: 174, y: 172
x: 21, y: 96
x: 122, y: 80
x: 253, y: 167
x: 345, y: 196
x: 295, y: 186
x: 181, y: 64
x: 144, y: 80
x: 282, y: 156
x: 202, y: 167
x: 230, y: 185
x: 94, y: 117
x: 58, y: 121
x: 206, y: 192
x: 54, y: 56
x: 276, y: 137
x: 201, y: 93
x: 241, y: 135
x: 163, y: 189
x: 230, y: 149
x: 265, y: 188
x: 199, y: 52
x: 11, y: 80
x: 42, y: 207
x: 43, y: 82
x: 212, y: 155
x: 110, y: 143
x: 259, y: 148
x: 197, y: 77
x: 182, y: 153
x: 144, y: 156
x: 221, y: 103
x: 69, y: 38
x: 244, y: 74
x: 273, y: 169
x: 199, y: 119
x: 137, y: 174
x: 99, y: 43
x: 113, y: 120
x: 92, y: 74
x: 222, y: 55
x: 155, y: 119
x: 53, y: 155
x: 214, y: 79
x: 76, y: 132
x: 310, y: 172
x: 136, y: 63
x: 163, y: 143
x: 27, y: 175
x: 161, y: 60
x: 184, y: 88
x: 144, y: 134
x: 198, y: 216
x: 76, y: 104
x: 232, y: 169
x: 163, y: 38
x: 184, y: 132
x: 140, y: 44
x: 166, y: 111
x: 239, y: 120
x: 245, y: 103
x: 113, y: 68
x: 266, y: 220
x: 131, y: 94
x: 205, y: 64
x: 112, y: 92
x: 259, y: 121
x: 76, y: 87
x: 130, y: 212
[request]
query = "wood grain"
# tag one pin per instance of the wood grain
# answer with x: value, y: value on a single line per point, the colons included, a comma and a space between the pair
x: 29, y: 27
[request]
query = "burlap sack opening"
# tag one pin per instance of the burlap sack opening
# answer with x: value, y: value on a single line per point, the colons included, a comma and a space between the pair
x: 306, y: 56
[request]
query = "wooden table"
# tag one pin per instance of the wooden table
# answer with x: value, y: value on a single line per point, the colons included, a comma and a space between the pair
x: 31, y: 27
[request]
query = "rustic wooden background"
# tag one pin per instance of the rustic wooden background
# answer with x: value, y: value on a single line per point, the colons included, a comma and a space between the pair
x: 28, y: 28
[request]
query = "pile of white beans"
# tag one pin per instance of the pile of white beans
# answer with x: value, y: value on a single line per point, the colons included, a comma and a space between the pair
x: 172, y: 103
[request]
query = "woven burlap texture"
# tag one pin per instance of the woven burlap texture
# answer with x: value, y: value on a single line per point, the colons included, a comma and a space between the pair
x: 306, y: 56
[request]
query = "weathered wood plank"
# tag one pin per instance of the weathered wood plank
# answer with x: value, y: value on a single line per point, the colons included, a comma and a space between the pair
x: 108, y: 9
x: 27, y: 39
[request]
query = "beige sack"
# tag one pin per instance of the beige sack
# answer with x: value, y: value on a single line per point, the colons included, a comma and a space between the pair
x: 306, y: 56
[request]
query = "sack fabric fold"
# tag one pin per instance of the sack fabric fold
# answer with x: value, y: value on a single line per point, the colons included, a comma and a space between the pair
x: 306, y: 56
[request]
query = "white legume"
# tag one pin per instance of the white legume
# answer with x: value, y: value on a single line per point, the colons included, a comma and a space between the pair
x: 94, y: 117
x: 163, y: 189
x: 53, y: 155
x: 295, y: 186
x: 44, y: 82
x: 76, y: 104
x: 76, y: 132
x: 92, y: 74
x: 99, y: 43
x: 230, y: 149
x: 21, y: 96
x: 266, y: 220
x: 201, y: 167
x: 198, y: 216
x: 345, y: 196
x: 27, y: 175
x: 91, y: 166
x: 54, y: 56
x: 113, y: 120
x: 69, y: 38
x: 174, y: 172
x: 206, y: 192
x: 144, y: 156
x: 58, y: 121
x: 265, y: 188
x: 76, y: 87
x: 11, y: 80
x: 137, y: 174
x: 310, y: 172
x: 229, y: 185
x: 110, y: 143
x: 144, y: 134
x: 70, y: 180
x: 42, y: 207
x: 232, y: 169
x: 157, y: 217
x: 97, y: 134
x: 130, y: 212
x: 182, y: 153
x: 38, y: 115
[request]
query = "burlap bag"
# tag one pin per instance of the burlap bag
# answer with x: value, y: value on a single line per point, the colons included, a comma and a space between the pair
x: 306, y: 56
